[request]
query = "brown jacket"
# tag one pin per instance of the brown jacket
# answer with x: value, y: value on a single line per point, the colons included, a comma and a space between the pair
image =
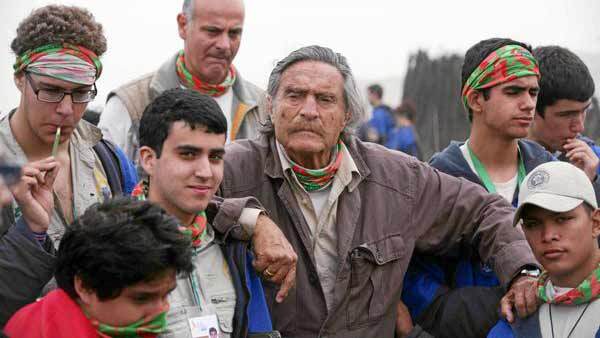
x: 400, y: 204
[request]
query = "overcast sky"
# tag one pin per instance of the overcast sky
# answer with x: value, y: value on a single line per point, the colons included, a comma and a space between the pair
x: 376, y: 36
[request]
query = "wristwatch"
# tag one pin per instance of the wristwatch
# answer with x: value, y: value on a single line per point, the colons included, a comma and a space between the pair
x: 530, y: 271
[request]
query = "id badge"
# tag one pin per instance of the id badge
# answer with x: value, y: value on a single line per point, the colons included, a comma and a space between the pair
x: 204, y: 326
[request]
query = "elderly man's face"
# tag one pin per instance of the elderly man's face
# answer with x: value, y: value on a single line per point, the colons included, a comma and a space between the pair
x: 309, y: 112
x: 212, y: 38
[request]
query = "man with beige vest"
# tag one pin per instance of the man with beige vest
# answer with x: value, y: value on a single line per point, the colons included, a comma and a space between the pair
x: 211, y: 31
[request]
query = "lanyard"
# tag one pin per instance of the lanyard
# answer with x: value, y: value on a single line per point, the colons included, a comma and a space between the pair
x: 485, y: 178
x: 194, y: 284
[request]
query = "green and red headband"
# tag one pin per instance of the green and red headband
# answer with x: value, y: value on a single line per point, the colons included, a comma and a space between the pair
x: 62, y: 61
x: 505, y: 64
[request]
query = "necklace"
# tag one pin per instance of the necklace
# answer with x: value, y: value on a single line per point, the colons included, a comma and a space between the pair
x: 576, y: 322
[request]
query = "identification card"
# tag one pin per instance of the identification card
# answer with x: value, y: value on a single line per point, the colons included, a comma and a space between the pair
x: 204, y: 326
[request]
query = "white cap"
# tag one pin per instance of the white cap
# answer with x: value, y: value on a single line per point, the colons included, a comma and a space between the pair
x: 555, y: 186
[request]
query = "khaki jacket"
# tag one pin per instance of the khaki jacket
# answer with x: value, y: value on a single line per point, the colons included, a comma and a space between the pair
x: 400, y: 205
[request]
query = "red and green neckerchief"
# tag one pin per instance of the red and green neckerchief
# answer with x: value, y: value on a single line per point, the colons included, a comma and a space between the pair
x: 197, y: 230
x: 503, y: 65
x: 586, y: 292
x: 193, y: 82
x: 58, y: 49
x: 139, y: 329
x: 317, y: 179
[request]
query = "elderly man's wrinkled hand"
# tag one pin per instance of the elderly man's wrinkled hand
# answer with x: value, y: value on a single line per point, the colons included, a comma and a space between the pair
x: 274, y: 256
x: 522, y: 296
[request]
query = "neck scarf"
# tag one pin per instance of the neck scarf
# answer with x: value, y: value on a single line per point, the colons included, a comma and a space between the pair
x: 193, y: 82
x: 586, y: 292
x: 503, y: 65
x: 317, y: 179
x: 196, y: 231
x: 65, y: 61
x: 140, y: 329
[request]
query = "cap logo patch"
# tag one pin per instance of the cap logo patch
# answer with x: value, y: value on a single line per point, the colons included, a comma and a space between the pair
x: 539, y: 178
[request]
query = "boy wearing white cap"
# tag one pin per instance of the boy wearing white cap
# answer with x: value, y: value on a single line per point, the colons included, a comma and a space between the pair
x: 559, y: 215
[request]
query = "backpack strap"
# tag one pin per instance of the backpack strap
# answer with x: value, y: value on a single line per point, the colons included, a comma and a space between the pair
x: 110, y: 162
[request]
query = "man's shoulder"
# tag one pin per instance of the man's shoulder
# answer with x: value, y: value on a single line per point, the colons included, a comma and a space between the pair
x: 378, y: 163
x: 247, y: 91
x: 533, y: 154
x: 140, y: 83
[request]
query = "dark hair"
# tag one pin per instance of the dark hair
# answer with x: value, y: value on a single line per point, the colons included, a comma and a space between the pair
x: 120, y: 243
x: 477, y: 53
x: 376, y: 89
x: 407, y: 109
x: 59, y: 24
x: 212, y: 329
x: 564, y: 76
x: 195, y: 109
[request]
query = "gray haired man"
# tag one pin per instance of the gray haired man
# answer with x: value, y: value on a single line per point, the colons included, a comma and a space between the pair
x: 353, y: 211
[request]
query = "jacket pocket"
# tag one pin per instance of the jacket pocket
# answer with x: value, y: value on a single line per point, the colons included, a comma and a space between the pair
x: 375, y: 279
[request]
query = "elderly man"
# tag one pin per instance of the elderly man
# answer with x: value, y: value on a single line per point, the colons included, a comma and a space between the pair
x: 354, y: 211
x: 212, y: 32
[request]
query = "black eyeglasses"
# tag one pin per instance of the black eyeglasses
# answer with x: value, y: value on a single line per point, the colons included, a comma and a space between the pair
x: 57, y: 95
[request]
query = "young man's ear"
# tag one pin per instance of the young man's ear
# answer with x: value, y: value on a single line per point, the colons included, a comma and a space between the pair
x: 148, y: 159
x: 85, y: 295
x: 474, y: 100
x: 20, y: 81
x: 596, y: 223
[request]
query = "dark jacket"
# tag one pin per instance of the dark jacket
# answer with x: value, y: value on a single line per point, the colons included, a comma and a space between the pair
x: 431, y: 277
x: 379, y: 223
x: 251, y: 313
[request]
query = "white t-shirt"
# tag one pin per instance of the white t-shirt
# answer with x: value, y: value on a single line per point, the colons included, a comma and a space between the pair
x: 504, y: 189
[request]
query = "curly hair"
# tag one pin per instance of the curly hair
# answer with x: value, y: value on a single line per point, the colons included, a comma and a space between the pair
x: 59, y: 24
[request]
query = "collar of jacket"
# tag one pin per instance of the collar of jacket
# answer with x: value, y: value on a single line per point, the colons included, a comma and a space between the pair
x: 355, y: 147
x: 452, y: 162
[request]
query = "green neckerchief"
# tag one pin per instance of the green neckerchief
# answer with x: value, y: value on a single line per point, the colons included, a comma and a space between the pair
x: 139, y: 329
x: 485, y: 177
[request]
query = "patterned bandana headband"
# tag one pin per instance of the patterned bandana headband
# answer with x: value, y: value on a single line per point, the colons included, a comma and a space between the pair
x: 193, y: 82
x: 317, y: 179
x: 66, y: 62
x: 196, y: 231
x: 503, y: 65
x: 586, y: 292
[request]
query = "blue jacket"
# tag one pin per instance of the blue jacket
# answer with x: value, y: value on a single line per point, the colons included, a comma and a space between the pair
x: 251, y: 313
x: 382, y: 121
x: 592, y: 145
x: 403, y: 139
x: 428, y: 276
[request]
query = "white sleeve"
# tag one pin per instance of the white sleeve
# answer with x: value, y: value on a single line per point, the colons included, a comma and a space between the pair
x: 115, y: 123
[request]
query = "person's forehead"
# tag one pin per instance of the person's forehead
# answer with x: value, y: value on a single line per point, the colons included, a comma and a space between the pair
x: 564, y: 105
x: 181, y: 133
x: 219, y: 12
x: 313, y: 73
x: 163, y: 282
x: 525, y: 82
